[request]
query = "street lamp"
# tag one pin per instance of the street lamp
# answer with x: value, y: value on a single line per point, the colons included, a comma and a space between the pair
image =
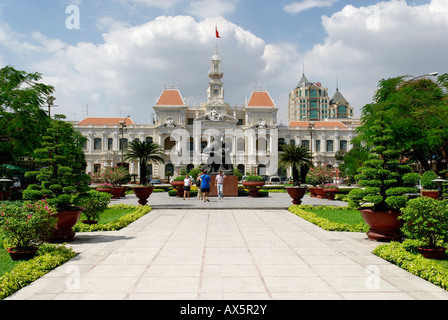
x: 123, y: 125
x: 311, y: 131
x: 439, y: 182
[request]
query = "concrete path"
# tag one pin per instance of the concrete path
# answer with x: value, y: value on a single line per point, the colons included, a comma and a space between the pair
x: 250, y: 254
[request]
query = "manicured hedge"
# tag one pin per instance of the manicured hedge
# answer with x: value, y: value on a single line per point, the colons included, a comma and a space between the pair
x: 325, y: 224
x: 48, y: 258
x: 405, y: 256
x: 122, y: 222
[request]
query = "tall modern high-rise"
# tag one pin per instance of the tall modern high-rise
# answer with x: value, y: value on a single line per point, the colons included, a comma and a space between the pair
x: 310, y: 101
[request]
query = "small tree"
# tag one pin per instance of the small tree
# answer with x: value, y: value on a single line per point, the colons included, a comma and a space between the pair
x: 295, y: 156
x: 382, y: 174
x: 144, y: 152
x: 62, y: 175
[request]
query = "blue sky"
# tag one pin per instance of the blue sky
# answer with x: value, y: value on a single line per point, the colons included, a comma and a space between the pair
x: 127, y: 51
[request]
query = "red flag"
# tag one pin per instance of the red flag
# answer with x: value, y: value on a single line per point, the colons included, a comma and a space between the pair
x: 217, y: 33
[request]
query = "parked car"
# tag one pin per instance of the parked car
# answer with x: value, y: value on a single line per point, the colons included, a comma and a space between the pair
x: 155, y: 181
x: 274, y: 180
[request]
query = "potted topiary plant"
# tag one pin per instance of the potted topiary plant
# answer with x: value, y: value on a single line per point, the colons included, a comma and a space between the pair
x: 426, y: 220
x: 26, y: 226
x: 61, y: 180
x: 94, y: 205
x: 381, y: 178
x: 429, y: 186
x: 253, y: 183
x: 320, y: 175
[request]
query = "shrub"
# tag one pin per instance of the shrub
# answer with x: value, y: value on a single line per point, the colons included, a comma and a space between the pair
x: 27, y: 225
x: 254, y: 178
x: 95, y: 204
x: 427, y: 182
x: 426, y: 219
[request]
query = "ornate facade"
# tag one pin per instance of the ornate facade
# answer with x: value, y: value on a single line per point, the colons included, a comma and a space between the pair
x: 250, y: 132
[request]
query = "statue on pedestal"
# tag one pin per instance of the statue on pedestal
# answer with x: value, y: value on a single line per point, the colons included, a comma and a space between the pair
x: 219, y: 156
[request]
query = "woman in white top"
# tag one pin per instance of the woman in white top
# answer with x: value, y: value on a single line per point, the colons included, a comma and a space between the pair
x: 187, y: 186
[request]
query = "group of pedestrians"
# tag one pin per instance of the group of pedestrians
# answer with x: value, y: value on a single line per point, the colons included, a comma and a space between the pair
x: 203, y: 185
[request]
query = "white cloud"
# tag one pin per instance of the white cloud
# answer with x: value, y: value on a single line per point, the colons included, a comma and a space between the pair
x: 367, y: 44
x: 304, y: 5
x: 128, y: 71
x: 165, y: 4
x: 212, y: 8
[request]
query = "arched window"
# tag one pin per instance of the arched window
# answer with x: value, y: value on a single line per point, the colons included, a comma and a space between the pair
x: 281, y: 142
x: 110, y: 144
x: 343, y: 145
x: 330, y: 147
x: 97, y: 144
x: 169, y: 168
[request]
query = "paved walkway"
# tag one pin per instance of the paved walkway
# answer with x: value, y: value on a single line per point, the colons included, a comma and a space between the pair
x: 250, y: 253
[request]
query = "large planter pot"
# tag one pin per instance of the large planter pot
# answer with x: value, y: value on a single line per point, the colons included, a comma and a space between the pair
x: 116, y: 192
x: 253, y: 187
x: 22, y: 254
x: 66, y: 221
x: 430, y: 193
x: 123, y: 192
x: 313, y: 193
x: 383, y: 226
x: 330, y: 193
x: 106, y: 190
x: 320, y: 194
x: 437, y: 253
x: 142, y: 193
x: 179, y: 186
x: 296, y: 193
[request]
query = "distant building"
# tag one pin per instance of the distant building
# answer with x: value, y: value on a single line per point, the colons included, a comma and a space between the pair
x: 310, y: 102
x: 251, y: 132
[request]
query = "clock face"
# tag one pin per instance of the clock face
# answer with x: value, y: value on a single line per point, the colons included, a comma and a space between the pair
x: 216, y: 92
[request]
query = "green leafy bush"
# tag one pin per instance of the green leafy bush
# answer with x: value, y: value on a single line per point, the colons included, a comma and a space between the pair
x: 96, y: 203
x: 254, y: 178
x: 426, y: 219
x: 427, y: 182
x: 28, y: 224
x: 48, y: 258
x: 405, y: 256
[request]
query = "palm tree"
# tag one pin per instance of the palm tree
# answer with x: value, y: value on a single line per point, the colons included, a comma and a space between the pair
x: 144, y: 152
x: 296, y: 157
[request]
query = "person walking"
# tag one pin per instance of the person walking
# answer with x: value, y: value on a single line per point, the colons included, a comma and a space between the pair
x: 205, y: 186
x: 198, y: 185
x: 219, y: 184
x: 187, y: 186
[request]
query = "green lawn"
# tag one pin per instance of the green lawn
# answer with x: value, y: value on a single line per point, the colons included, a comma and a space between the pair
x: 340, y: 216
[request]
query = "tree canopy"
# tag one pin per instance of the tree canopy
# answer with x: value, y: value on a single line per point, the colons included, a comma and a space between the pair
x: 416, y: 112
x: 22, y: 119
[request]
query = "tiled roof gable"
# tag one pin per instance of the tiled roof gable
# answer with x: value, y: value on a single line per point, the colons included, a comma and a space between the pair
x: 170, y: 97
x: 260, y: 99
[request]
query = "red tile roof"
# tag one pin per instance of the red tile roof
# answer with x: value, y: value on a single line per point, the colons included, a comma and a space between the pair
x: 260, y: 99
x: 170, y: 97
x: 318, y: 124
x: 105, y: 121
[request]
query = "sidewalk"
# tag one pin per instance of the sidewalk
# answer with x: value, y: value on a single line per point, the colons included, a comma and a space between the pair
x: 251, y: 253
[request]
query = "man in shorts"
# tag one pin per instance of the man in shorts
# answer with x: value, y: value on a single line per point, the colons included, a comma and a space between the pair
x: 205, y: 186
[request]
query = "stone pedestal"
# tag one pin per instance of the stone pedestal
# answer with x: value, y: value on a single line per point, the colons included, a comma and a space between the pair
x: 230, y: 186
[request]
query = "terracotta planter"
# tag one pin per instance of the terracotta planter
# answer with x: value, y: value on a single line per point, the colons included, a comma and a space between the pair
x: 253, y: 187
x: 116, y: 191
x: 330, y: 193
x: 142, y: 193
x: 437, y: 253
x: 312, y: 192
x: 123, y: 192
x: 320, y: 194
x: 430, y: 193
x: 296, y: 193
x: 106, y: 190
x: 179, y: 186
x: 25, y: 254
x: 383, y: 226
x: 66, y: 220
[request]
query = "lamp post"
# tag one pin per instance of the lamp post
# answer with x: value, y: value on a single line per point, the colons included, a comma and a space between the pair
x: 311, y: 131
x: 439, y: 182
x: 123, y: 125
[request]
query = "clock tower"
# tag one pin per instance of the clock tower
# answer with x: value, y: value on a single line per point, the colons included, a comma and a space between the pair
x: 215, y: 92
